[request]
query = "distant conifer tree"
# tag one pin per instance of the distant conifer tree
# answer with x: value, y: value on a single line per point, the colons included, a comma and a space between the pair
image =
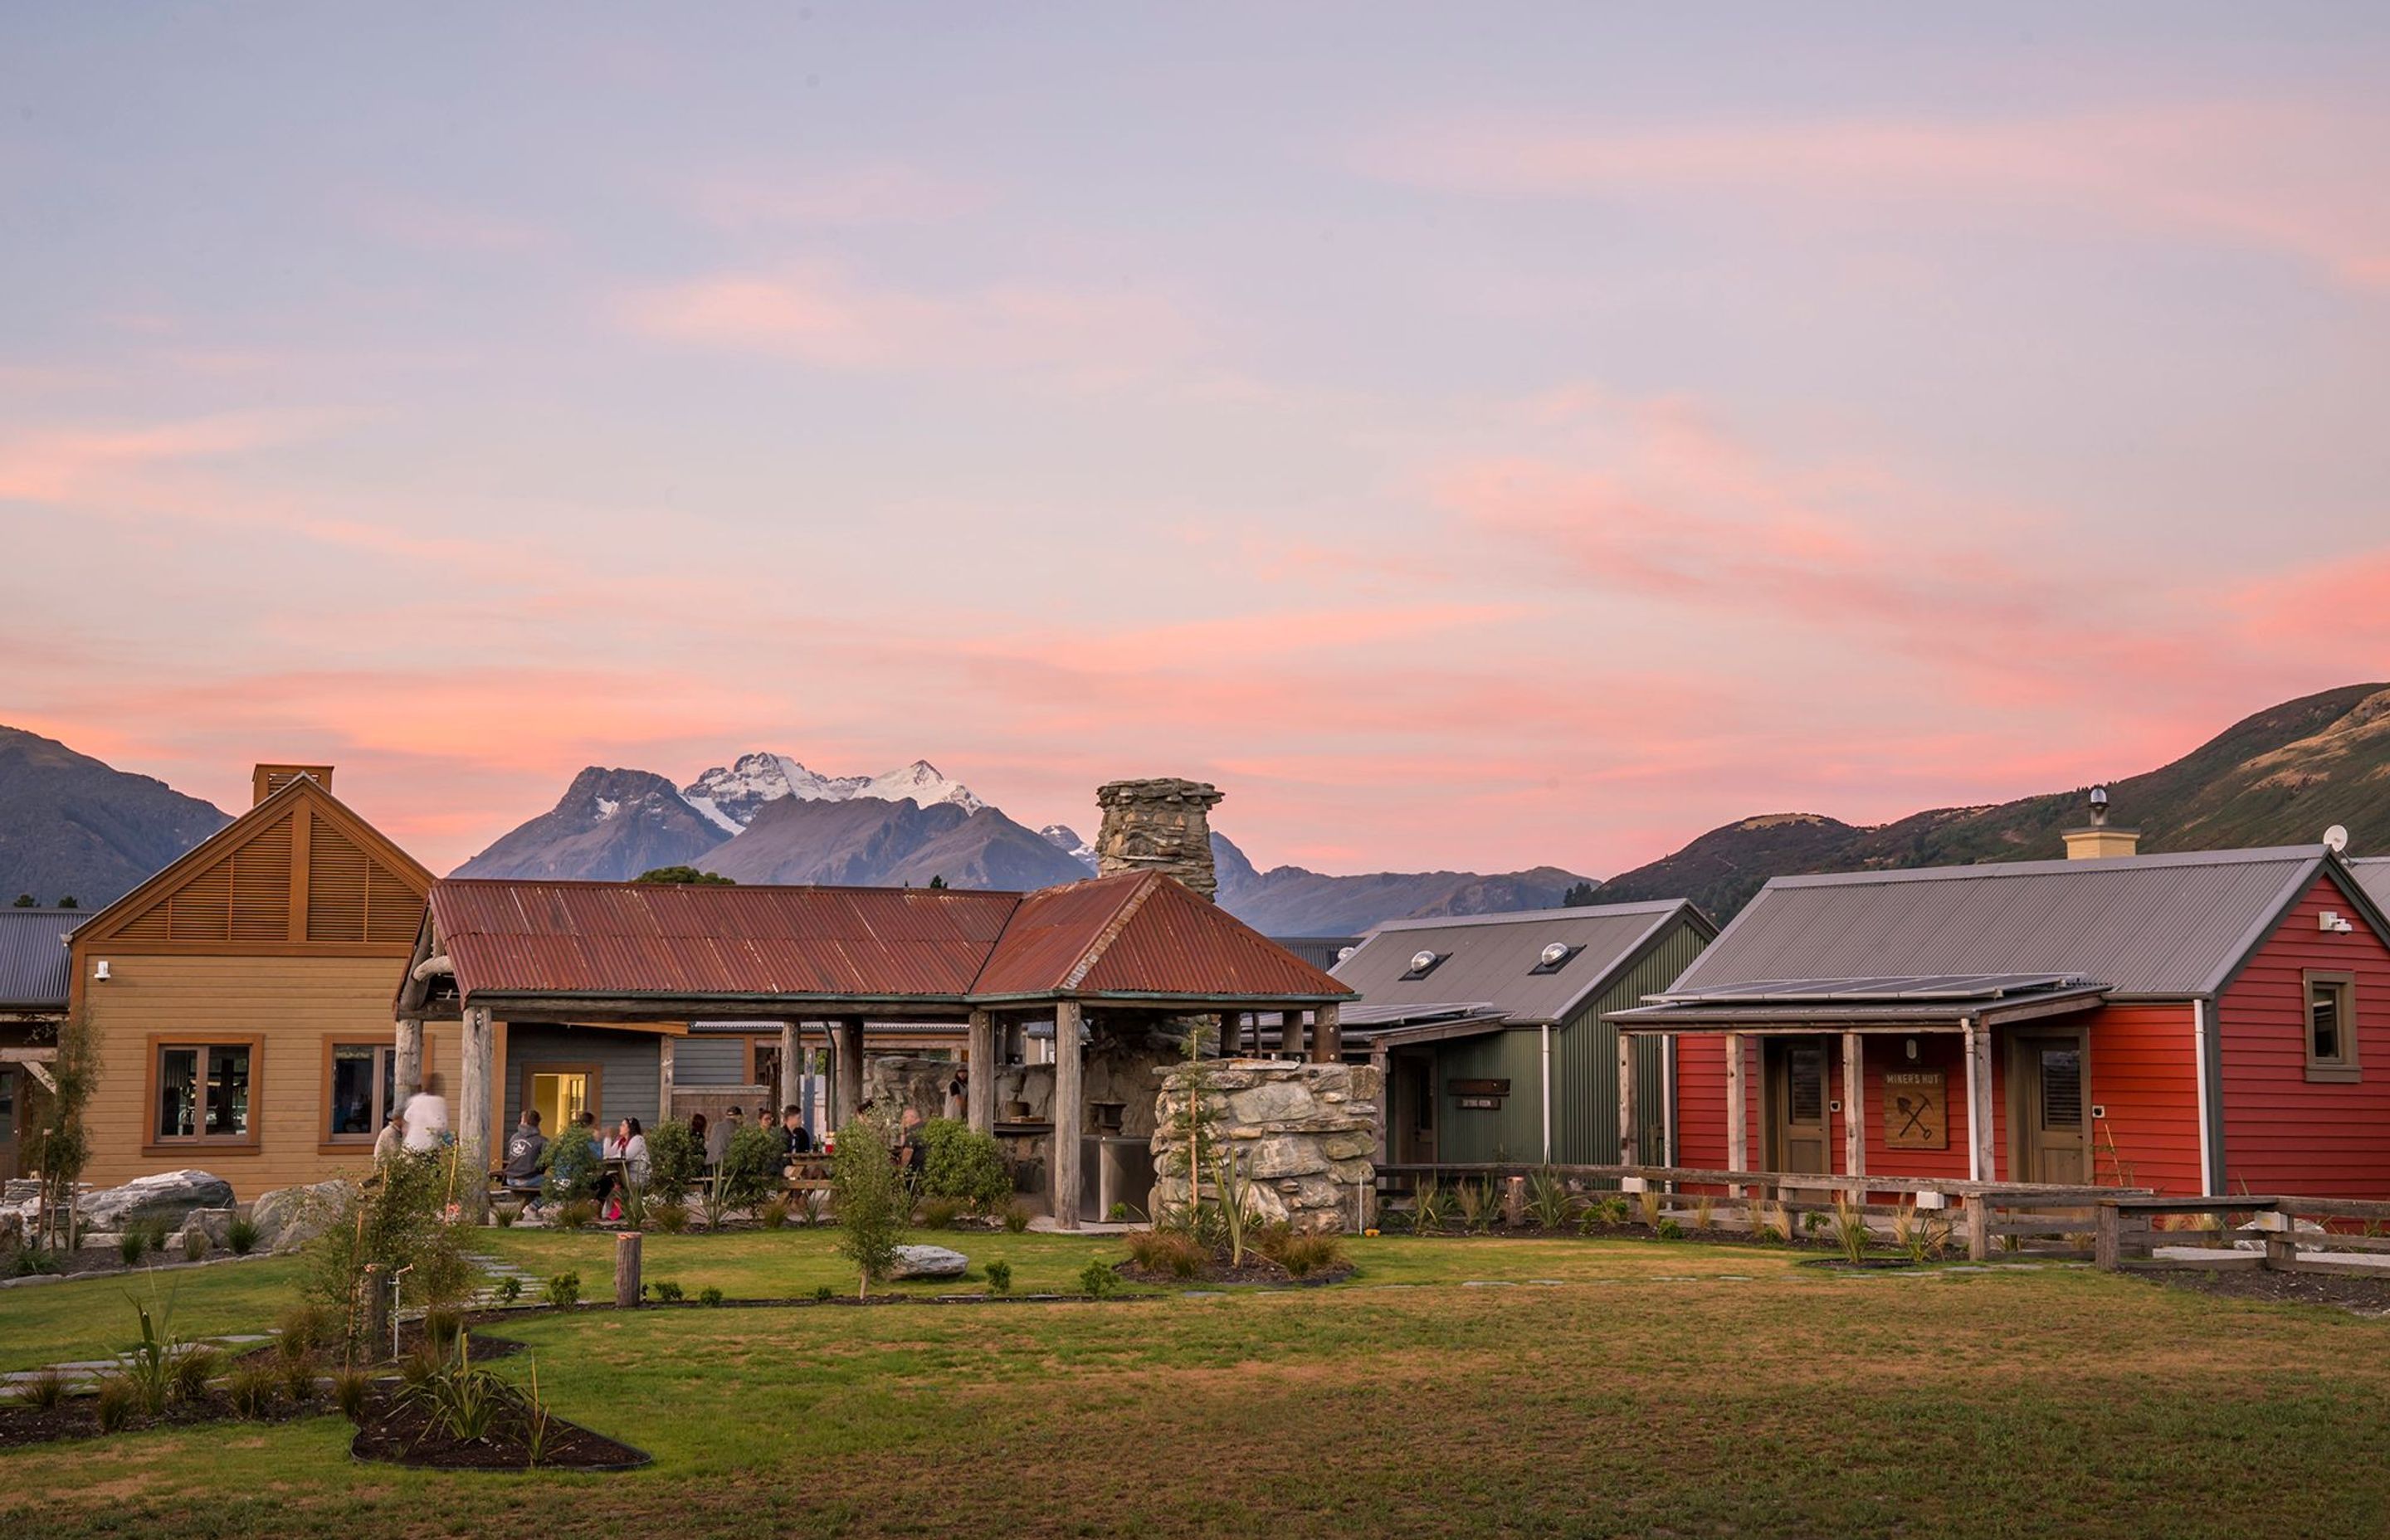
x: 1578, y: 897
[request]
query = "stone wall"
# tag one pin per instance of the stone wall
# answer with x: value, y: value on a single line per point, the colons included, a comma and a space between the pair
x: 1303, y: 1134
x: 1162, y: 825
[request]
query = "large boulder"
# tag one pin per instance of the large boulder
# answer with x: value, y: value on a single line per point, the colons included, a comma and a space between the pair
x: 214, y: 1224
x: 287, y: 1218
x: 928, y: 1262
x: 165, y: 1199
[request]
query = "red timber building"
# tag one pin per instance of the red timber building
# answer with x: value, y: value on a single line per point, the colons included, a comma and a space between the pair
x: 2199, y: 1024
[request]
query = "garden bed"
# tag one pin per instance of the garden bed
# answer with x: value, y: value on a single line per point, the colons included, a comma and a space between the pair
x: 78, y: 1416
x: 1257, y: 1271
x: 2364, y: 1293
x: 399, y: 1432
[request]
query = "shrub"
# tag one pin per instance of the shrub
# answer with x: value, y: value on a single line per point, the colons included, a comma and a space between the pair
x: 871, y: 1203
x: 149, y: 1363
x: 670, y: 1217
x: 1300, y: 1253
x: 461, y: 1400
x: 1549, y: 1202
x: 509, y: 1288
x: 1097, y: 1281
x: 1851, y: 1231
x: 940, y: 1214
x: 242, y: 1236
x: 667, y: 1292
x: 573, y: 1166
x: 823, y: 1294
x: 999, y: 1278
x: 505, y: 1214
x: 130, y: 1245
x: 1668, y: 1229
x: 401, y: 1226
x: 773, y: 1214
x: 196, y: 1246
x: 1703, y: 1207
x: 576, y: 1214
x: 1016, y: 1217
x: 193, y: 1369
x: 350, y: 1390
x: 960, y: 1163
x: 1648, y: 1201
x: 117, y: 1400
x: 249, y: 1388
x: 1481, y: 1206
x: 709, y: 1295
x: 749, y: 1170
x: 675, y: 1161
x: 442, y: 1327
x: 1172, y: 1251
x: 299, y: 1377
x: 564, y: 1291
x: 806, y: 1206
x: 1431, y: 1207
x: 45, y: 1391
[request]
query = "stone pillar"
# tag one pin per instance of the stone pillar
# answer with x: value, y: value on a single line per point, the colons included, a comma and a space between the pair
x: 979, y: 1099
x: 477, y: 1068
x: 792, y: 1066
x: 1327, y: 1034
x: 1162, y: 825
x: 850, y: 1070
x: 1302, y: 1135
x: 1069, y: 1113
x: 408, y: 1070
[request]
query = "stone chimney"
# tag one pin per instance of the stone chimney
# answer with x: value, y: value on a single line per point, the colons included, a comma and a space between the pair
x: 2099, y: 838
x: 1164, y: 825
x: 266, y: 780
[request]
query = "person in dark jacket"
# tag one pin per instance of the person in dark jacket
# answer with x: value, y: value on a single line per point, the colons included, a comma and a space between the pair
x: 524, y: 1148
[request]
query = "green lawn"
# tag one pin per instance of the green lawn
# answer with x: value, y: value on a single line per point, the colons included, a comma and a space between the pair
x: 1648, y: 1388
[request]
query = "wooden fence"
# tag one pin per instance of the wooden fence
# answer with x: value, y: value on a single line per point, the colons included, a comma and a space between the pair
x: 2128, y: 1233
x: 2047, y: 1221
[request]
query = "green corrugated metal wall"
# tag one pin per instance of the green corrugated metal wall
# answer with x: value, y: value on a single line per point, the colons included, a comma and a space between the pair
x: 1585, y: 1077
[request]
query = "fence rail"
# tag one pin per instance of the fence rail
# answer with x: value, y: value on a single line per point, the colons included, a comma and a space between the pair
x: 2292, y: 1234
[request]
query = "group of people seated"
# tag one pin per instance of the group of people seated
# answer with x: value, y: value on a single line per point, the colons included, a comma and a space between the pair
x: 621, y: 1156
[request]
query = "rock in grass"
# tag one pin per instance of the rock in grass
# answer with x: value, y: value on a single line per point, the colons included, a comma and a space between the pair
x: 928, y: 1262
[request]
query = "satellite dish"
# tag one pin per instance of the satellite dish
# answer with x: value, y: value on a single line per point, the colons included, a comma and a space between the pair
x: 1344, y: 952
x: 2335, y: 838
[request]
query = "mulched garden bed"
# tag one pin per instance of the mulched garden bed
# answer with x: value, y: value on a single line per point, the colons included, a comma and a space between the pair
x: 2365, y: 1295
x: 404, y: 1432
x: 1256, y: 1270
x: 78, y: 1416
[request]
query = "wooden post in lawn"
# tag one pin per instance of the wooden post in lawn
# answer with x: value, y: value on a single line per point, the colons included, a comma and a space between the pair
x: 626, y: 1269
x: 2107, y: 1243
x: 979, y: 1091
x: 1738, y: 1142
x: 1070, y: 1112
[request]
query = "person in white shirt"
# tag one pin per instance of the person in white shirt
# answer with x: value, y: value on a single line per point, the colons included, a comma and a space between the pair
x: 426, y: 1119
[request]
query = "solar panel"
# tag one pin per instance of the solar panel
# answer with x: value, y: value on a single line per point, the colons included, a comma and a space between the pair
x: 1918, y: 986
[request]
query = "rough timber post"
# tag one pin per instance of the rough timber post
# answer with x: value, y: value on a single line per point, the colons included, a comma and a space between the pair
x: 1290, y: 1034
x: 1737, y: 1143
x: 626, y: 1270
x: 1327, y: 1034
x: 1855, y: 1111
x: 1070, y: 1112
x: 1981, y: 1165
x: 1627, y: 1133
x: 979, y: 1098
x: 408, y: 1071
x: 792, y: 1066
x: 476, y: 1067
x: 850, y: 1070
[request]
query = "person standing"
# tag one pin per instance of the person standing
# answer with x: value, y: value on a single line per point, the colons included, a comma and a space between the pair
x: 426, y: 1119
x: 717, y: 1138
x: 393, y: 1140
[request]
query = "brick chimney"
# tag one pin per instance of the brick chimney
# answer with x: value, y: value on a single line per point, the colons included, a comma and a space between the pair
x: 266, y: 780
x: 2099, y: 838
x: 1162, y: 825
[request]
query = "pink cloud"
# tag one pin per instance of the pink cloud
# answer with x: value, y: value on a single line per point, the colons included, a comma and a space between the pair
x: 2302, y: 182
x: 885, y: 194
x: 61, y: 466
x: 823, y: 315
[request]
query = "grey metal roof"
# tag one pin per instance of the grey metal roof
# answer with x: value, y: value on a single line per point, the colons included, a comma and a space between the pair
x: 2145, y: 925
x: 2373, y: 876
x: 1490, y: 959
x: 1913, y: 987
x: 34, y: 969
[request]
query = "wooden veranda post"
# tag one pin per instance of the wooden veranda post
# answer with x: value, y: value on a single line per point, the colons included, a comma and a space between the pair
x: 1327, y: 1034
x: 1289, y: 1033
x: 850, y: 1068
x: 1855, y: 1111
x: 407, y: 1070
x: 1981, y: 1167
x: 1737, y: 1143
x: 1070, y: 1112
x: 979, y: 1098
x: 793, y: 1066
x: 1628, y: 1136
x: 478, y: 1067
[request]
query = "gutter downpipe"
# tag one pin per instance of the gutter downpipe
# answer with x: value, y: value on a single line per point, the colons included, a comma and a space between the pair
x: 1547, y: 1031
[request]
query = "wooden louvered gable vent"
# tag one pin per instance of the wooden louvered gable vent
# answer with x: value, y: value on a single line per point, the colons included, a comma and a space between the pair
x: 246, y: 896
x: 351, y: 897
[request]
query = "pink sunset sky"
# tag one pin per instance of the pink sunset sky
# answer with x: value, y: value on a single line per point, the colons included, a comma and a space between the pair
x: 1472, y: 436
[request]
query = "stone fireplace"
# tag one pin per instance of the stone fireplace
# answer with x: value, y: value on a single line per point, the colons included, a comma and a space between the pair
x: 1162, y: 825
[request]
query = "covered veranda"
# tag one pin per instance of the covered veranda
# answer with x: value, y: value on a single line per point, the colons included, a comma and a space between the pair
x: 1136, y: 951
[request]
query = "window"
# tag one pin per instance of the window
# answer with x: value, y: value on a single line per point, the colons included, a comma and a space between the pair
x: 204, y: 1091
x: 361, y: 1090
x: 2331, y: 1026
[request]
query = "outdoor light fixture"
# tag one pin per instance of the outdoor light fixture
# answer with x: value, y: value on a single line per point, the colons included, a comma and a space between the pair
x: 1912, y: 1050
x: 100, y: 970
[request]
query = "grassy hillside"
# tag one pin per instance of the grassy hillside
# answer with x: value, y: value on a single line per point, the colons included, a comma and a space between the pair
x: 2280, y: 778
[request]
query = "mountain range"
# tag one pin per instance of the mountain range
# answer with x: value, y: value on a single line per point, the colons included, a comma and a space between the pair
x: 70, y: 824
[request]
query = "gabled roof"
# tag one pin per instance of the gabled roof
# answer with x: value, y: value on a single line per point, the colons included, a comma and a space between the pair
x: 383, y: 863
x: 2170, y: 926
x: 1489, y: 961
x: 2373, y: 873
x: 1134, y: 935
x: 35, y: 969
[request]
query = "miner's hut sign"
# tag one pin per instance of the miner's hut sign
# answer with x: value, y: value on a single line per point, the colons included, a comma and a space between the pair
x: 1916, y: 1109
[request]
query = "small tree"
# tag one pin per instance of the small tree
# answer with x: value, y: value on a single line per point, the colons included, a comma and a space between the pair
x: 1191, y: 1124
x: 871, y: 1200
x: 69, y: 902
x: 24, y: 901
x: 58, y: 1147
x: 399, y: 1224
x: 675, y: 1161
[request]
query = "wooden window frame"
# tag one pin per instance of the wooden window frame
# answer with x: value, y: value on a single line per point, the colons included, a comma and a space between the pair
x: 327, y: 1142
x: 2343, y: 1069
x: 246, y: 1144
x: 595, y: 1073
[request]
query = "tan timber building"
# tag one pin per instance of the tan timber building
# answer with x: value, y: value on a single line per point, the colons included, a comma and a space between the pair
x: 241, y: 998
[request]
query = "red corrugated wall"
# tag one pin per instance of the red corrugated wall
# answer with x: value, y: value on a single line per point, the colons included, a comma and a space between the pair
x: 2281, y: 1133
x: 2145, y: 1074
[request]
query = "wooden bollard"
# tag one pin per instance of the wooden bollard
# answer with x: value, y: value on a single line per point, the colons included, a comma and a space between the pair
x: 1514, y: 1202
x: 376, y: 1312
x: 626, y: 1269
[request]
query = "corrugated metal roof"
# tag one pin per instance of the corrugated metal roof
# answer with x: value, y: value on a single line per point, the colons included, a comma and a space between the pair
x: 1135, y: 934
x: 2145, y: 925
x: 34, y: 967
x: 1491, y: 958
x: 2373, y: 876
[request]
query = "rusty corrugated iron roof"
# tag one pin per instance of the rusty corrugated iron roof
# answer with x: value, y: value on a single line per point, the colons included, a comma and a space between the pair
x: 2163, y: 926
x: 520, y: 937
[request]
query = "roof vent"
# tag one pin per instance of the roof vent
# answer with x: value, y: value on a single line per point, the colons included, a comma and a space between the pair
x: 2097, y: 838
x: 266, y: 780
x: 1553, y: 959
x: 1423, y: 963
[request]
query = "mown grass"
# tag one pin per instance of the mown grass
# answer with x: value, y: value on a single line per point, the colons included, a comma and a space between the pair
x: 1654, y: 1387
x: 87, y: 1319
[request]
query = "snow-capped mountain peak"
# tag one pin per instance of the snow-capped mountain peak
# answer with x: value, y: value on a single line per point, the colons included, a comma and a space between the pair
x: 1062, y: 837
x: 730, y: 796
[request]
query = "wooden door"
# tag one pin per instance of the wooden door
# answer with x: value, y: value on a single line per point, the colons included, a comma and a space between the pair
x: 1800, y: 1132
x: 1412, y: 1102
x: 2049, y: 1121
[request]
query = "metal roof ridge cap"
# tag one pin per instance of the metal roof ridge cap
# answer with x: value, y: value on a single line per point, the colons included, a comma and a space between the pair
x: 1623, y: 961
x: 2250, y: 856
x: 1138, y: 894
x: 1512, y: 917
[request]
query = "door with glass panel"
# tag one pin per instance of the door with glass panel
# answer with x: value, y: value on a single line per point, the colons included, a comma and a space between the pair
x: 1799, y: 1128
x: 2049, y: 1109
